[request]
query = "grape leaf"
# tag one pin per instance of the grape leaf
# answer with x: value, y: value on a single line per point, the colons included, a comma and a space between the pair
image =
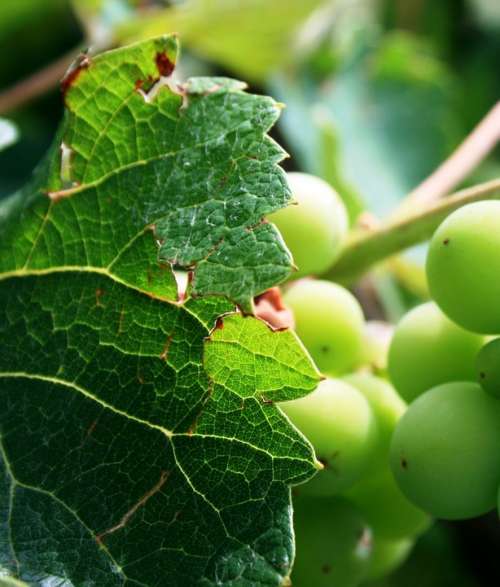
x: 250, y: 37
x: 139, y: 442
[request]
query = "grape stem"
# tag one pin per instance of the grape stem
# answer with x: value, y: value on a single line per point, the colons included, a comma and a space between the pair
x: 37, y: 84
x: 369, y: 246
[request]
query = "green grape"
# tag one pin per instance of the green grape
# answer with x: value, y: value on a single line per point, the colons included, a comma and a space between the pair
x: 488, y: 367
x: 338, y: 421
x: 329, y: 321
x: 377, y: 339
x: 386, y: 404
x: 463, y: 267
x: 387, y: 556
x: 428, y: 349
x: 386, y: 509
x: 445, y: 451
x: 333, y: 543
x: 315, y: 228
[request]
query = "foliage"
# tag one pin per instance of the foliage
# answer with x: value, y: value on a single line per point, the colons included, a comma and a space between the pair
x: 139, y: 440
x: 389, y: 107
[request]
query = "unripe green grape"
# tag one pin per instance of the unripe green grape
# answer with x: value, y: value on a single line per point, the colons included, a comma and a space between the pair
x: 377, y: 339
x: 388, y: 512
x: 315, y: 228
x: 445, y: 451
x: 387, y: 405
x: 427, y: 349
x: 329, y: 321
x: 340, y: 425
x: 387, y: 556
x: 488, y: 367
x: 463, y: 267
x: 333, y: 543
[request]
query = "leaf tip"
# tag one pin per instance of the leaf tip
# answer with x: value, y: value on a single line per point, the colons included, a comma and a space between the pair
x: 73, y: 72
x: 318, y: 465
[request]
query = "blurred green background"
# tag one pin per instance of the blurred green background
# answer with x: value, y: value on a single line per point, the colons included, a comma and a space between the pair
x: 378, y: 94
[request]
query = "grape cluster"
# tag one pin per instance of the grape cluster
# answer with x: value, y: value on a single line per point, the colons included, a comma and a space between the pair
x: 445, y: 452
x: 406, y: 427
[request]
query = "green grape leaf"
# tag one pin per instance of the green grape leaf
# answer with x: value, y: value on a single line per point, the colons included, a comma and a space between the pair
x: 128, y: 140
x: 251, y: 37
x: 139, y: 441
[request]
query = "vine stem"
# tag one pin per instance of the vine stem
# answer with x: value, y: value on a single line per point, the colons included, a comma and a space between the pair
x: 367, y: 247
x: 36, y: 84
x: 476, y: 146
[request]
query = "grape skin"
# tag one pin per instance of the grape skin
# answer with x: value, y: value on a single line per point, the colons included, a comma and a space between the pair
x: 315, y: 228
x: 445, y: 451
x: 385, y: 402
x: 387, y: 556
x: 427, y: 349
x: 339, y: 423
x: 377, y: 340
x: 463, y: 267
x: 488, y: 367
x: 333, y: 543
x: 330, y: 323
x: 386, y: 509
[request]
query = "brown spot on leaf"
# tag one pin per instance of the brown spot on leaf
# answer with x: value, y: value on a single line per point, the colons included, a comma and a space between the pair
x: 141, y: 503
x: 404, y: 463
x: 98, y: 295
x: 91, y: 428
x: 446, y: 242
x: 164, y: 64
x: 75, y: 69
x: 219, y: 323
x: 164, y: 353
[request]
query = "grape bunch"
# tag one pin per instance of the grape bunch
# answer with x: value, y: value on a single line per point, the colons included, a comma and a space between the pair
x: 406, y: 426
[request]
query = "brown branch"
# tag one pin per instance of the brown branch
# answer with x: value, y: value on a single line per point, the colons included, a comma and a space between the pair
x: 36, y: 84
x: 474, y: 149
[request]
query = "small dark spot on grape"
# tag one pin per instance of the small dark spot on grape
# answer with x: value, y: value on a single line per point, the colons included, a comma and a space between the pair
x: 446, y: 241
x: 482, y: 375
x: 326, y: 569
x: 404, y: 463
x: 325, y: 349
